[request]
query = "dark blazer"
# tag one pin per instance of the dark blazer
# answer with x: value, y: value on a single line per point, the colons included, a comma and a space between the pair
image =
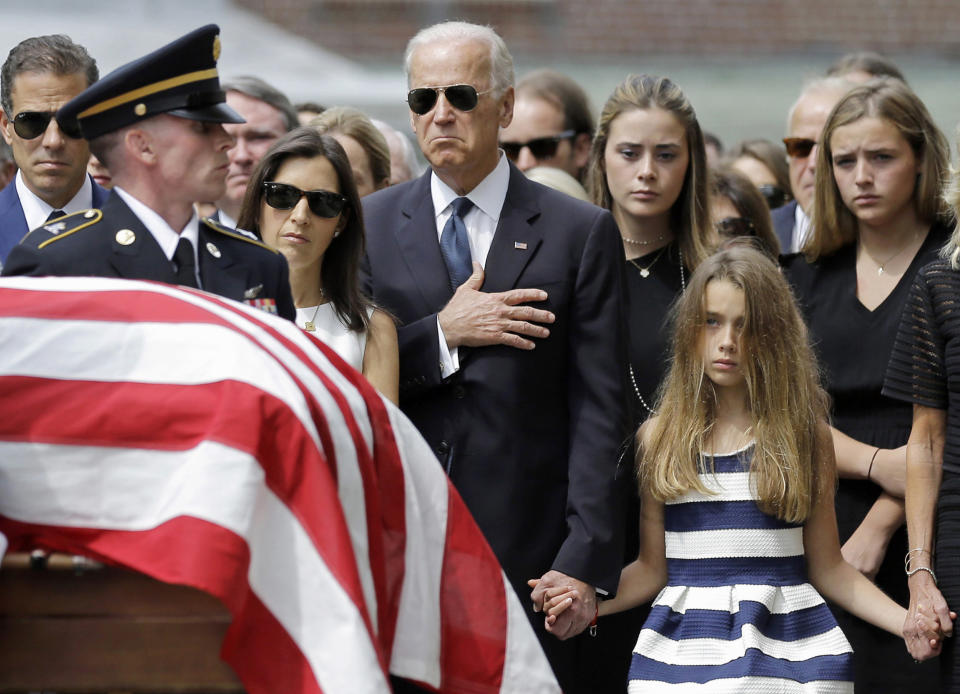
x: 784, y: 219
x: 13, y: 225
x: 231, y: 265
x: 529, y: 438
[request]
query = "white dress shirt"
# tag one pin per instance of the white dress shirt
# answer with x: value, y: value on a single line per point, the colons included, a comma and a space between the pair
x: 801, y: 229
x: 481, y: 222
x: 226, y: 220
x: 162, y: 232
x: 36, y: 210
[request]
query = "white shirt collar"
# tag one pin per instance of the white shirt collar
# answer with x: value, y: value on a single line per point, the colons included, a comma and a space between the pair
x: 801, y: 228
x: 488, y: 196
x: 165, y: 236
x: 36, y: 210
x: 226, y: 220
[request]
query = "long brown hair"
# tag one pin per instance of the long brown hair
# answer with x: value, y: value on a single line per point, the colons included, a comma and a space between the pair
x: 786, y: 400
x: 834, y: 225
x: 690, y: 215
x: 341, y: 262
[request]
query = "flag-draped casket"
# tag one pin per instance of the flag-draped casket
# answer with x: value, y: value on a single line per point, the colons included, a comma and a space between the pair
x: 205, y: 443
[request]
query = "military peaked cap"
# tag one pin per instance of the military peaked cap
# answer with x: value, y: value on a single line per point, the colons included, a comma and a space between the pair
x: 179, y: 79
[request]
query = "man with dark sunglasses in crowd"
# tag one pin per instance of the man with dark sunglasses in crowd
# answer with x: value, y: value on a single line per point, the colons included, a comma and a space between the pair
x: 552, y: 124
x: 791, y: 222
x: 512, y: 360
x: 157, y: 125
x: 39, y: 76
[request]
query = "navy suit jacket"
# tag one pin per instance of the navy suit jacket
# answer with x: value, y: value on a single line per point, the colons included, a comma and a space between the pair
x: 231, y: 265
x: 13, y: 225
x: 784, y: 219
x: 530, y: 439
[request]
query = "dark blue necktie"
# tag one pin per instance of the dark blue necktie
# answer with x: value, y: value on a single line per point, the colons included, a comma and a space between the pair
x: 455, y: 244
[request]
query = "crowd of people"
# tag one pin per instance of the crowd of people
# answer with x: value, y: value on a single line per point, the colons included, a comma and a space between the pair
x: 684, y: 392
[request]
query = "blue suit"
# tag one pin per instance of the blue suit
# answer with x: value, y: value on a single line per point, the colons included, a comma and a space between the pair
x: 784, y: 220
x: 13, y: 224
x: 529, y: 438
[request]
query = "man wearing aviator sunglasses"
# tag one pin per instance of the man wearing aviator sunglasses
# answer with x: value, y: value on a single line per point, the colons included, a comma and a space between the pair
x: 552, y: 124
x: 39, y: 75
x: 509, y: 299
x: 791, y: 222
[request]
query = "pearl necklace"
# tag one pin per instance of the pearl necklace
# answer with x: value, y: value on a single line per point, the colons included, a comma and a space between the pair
x: 642, y: 243
x: 633, y: 378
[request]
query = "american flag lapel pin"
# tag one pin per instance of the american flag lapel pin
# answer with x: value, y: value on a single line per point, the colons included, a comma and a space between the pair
x: 520, y: 245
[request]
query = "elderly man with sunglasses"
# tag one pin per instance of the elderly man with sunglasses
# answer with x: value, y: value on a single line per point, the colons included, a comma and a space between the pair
x: 39, y: 76
x: 157, y: 124
x: 510, y: 302
x: 791, y: 222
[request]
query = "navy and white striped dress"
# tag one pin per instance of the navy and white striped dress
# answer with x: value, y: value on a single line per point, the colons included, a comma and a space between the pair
x: 737, y: 613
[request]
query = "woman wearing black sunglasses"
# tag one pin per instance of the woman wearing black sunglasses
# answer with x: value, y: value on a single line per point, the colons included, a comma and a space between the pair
x: 738, y: 209
x: 302, y: 200
x: 877, y: 219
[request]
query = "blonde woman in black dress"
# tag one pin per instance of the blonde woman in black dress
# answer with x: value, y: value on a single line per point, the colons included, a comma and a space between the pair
x: 878, y: 218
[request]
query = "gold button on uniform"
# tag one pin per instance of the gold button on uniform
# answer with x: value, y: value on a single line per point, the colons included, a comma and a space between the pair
x: 125, y: 237
x: 89, y: 214
x: 140, y: 109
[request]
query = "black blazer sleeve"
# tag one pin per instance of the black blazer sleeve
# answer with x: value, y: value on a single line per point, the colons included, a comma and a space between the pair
x: 593, y: 549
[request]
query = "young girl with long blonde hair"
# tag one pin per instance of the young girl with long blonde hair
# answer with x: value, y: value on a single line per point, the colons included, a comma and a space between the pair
x: 738, y: 533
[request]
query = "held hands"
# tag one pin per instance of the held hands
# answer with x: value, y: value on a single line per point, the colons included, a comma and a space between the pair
x: 929, y: 620
x: 475, y: 319
x: 569, y: 605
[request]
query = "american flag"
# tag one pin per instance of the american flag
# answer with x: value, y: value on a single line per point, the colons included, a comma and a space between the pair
x: 205, y: 443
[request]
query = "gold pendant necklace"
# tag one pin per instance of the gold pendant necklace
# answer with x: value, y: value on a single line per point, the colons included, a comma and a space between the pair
x: 310, y: 325
x: 645, y: 271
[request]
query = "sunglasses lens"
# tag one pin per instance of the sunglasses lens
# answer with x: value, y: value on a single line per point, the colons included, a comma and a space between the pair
x: 325, y: 204
x: 421, y: 100
x: 774, y: 195
x: 462, y: 97
x: 70, y: 128
x: 31, y: 124
x: 735, y: 226
x: 798, y: 146
x: 280, y: 196
x: 511, y: 149
x: 544, y: 147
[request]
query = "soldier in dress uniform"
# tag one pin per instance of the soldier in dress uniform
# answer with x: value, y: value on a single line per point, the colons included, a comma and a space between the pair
x: 156, y: 124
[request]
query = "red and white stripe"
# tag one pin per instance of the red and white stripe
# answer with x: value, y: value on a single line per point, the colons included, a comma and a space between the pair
x: 205, y: 443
